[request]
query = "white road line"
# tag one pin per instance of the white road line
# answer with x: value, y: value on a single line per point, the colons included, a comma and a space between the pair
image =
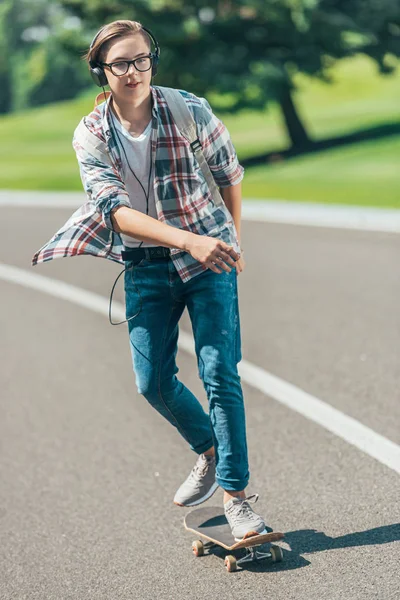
x: 271, y: 211
x: 345, y: 427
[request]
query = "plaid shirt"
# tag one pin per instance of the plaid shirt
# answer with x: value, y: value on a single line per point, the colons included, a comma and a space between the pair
x: 182, y: 197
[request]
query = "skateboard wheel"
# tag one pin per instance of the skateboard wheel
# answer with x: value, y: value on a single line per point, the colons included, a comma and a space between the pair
x: 276, y: 553
x: 230, y: 563
x: 198, y: 548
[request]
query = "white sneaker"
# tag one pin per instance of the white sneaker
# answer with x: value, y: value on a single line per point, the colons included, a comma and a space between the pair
x: 242, y: 518
x: 200, y: 485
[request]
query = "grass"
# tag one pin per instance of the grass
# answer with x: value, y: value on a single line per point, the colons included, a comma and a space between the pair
x: 365, y: 174
x: 38, y: 154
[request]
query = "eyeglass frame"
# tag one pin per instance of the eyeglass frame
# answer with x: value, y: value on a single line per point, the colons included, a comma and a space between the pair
x: 129, y: 62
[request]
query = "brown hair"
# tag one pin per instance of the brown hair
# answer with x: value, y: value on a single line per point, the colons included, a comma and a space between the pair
x: 111, y: 31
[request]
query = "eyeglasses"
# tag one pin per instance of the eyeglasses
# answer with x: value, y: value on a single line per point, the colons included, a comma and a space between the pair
x: 143, y: 63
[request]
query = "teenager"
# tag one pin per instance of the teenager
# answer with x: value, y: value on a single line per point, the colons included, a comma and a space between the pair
x: 149, y: 208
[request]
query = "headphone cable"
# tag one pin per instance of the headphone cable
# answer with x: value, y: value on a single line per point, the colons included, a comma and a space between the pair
x: 147, y: 212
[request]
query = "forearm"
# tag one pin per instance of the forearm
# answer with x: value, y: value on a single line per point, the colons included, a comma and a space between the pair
x: 232, y: 197
x: 147, y: 229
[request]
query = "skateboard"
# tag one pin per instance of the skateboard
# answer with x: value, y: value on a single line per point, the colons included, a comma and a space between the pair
x: 211, y: 524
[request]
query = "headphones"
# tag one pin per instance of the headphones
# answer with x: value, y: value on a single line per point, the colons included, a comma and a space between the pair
x: 97, y: 72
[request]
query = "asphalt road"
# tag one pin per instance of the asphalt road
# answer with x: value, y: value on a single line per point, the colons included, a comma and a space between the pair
x: 88, y: 470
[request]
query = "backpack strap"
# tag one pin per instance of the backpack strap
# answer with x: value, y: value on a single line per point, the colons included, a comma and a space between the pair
x: 87, y: 139
x: 187, y: 126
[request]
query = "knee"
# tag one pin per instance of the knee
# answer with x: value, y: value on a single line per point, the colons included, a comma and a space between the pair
x: 152, y: 387
x: 217, y: 369
x: 146, y: 384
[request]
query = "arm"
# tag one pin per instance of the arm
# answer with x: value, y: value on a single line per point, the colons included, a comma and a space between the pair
x: 222, y: 159
x: 103, y: 183
x: 218, y: 148
x: 147, y: 229
x: 233, y: 199
x: 232, y: 196
x: 207, y: 250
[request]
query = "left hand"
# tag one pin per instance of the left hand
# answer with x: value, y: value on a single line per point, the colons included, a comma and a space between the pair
x: 240, y: 264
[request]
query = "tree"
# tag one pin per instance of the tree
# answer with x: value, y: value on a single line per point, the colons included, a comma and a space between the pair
x: 35, y: 67
x: 8, y: 37
x: 250, y: 50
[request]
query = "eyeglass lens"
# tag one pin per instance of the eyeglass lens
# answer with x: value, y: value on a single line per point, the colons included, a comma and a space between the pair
x: 142, y: 64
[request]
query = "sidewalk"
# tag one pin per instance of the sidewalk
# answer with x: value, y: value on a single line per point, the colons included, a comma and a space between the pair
x: 268, y: 210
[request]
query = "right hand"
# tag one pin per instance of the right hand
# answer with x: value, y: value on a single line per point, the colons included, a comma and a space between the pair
x: 213, y: 253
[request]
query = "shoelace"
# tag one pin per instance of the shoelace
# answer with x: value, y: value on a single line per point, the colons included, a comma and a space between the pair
x: 200, y: 468
x: 243, y: 508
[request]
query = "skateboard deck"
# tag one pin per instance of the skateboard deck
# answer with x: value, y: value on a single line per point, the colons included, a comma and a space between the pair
x: 210, y: 523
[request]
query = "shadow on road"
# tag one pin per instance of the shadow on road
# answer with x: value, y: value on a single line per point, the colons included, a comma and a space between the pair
x: 307, y: 541
x: 311, y: 540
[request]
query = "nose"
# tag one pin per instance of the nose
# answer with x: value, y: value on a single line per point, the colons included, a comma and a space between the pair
x: 133, y: 68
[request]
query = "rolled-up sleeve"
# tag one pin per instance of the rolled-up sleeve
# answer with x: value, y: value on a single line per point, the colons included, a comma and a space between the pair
x: 102, y: 183
x: 218, y: 148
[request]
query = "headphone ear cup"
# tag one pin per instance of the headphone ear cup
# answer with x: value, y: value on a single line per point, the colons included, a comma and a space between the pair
x: 98, y: 76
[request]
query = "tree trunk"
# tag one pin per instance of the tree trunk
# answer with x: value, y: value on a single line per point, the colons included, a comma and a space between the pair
x: 297, y: 133
x: 8, y: 13
x: 5, y: 96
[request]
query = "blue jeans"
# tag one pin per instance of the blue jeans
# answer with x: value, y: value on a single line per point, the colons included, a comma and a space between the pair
x: 155, y: 291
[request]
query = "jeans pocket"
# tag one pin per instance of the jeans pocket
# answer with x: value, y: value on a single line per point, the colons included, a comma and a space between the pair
x: 130, y: 270
x: 130, y: 264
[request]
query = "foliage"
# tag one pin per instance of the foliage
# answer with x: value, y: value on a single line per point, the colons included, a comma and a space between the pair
x: 35, y: 67
x: 248, y: 51
x: 245, y: 53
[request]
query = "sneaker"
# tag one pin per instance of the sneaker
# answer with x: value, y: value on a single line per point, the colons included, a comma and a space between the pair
x: 200, y: 485
x: 242, y: 518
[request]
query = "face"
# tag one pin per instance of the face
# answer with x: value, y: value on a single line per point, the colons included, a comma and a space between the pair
x: 128, y: 48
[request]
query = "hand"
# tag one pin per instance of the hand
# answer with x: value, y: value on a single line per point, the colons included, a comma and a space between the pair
x: 213, y: 253
x: 240, y: 264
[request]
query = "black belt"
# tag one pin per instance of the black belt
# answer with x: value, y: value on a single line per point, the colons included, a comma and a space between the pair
x: 153, y: 253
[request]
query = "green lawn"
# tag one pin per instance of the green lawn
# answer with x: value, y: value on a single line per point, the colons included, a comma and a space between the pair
x: 38, y: 153
x: 365, y: 174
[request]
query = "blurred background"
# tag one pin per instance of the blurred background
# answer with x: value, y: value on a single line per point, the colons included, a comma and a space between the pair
x: 309, y: 89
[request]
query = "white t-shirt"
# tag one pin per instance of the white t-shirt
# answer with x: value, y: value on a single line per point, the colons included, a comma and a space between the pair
x: 137, y: 150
